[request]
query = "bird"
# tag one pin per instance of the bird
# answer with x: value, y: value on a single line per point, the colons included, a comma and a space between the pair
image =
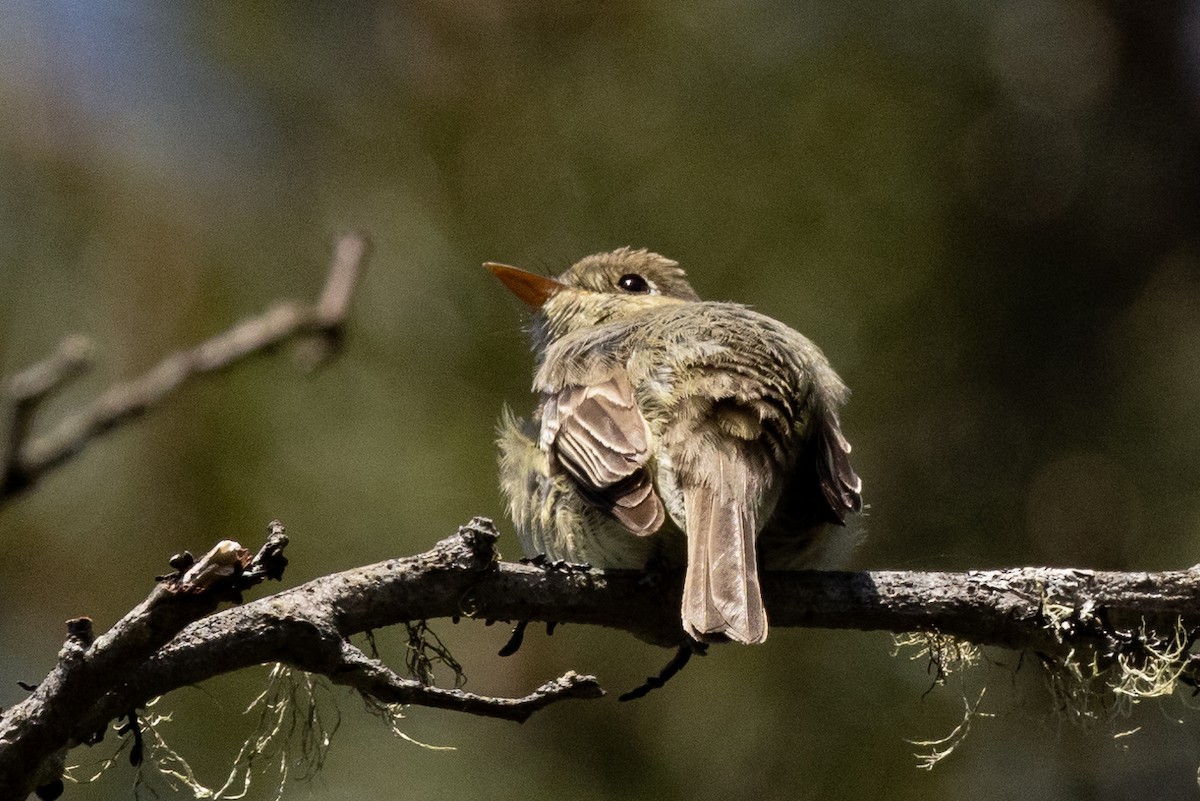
x: 673, y: 430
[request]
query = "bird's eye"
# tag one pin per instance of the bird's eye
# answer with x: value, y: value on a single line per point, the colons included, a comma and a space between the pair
x: 632, y: 282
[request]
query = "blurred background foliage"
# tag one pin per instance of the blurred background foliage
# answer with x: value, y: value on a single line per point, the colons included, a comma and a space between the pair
x: 985, y: 212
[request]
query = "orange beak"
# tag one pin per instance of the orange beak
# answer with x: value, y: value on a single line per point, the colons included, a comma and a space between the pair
x: 532, y: 288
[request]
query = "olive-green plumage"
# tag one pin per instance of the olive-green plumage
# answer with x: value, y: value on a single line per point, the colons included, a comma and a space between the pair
x: 668, y: 427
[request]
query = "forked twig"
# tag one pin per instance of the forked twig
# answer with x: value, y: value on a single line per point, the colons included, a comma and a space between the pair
x: 319, y: 327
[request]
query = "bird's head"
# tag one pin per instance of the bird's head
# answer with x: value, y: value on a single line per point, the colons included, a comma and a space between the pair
x: 606, y: 287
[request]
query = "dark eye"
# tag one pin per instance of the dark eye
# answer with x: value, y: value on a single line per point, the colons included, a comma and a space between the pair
x: 632, y: 282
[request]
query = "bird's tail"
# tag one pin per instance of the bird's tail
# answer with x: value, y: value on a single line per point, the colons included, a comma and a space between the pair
x: 721, y: 596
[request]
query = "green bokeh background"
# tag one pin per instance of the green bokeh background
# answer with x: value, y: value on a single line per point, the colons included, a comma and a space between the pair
x: 985, y: 212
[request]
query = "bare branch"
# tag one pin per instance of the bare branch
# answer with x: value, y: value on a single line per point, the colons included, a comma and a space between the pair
x: 372, y: 678
x: 23, y: 392
x: 27, y: 461
x: 349, y: 260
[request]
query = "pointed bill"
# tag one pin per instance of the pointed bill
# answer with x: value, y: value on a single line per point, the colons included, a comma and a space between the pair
x: 531, y: 288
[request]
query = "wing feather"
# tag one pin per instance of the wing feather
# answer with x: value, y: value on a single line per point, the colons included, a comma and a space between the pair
x: 598, y: 435
x: 841, y: 488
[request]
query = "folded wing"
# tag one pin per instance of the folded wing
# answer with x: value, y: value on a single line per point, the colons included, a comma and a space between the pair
x: 600, y: 438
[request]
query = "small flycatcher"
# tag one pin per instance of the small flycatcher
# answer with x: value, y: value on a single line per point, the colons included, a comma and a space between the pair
x: 674, y: 429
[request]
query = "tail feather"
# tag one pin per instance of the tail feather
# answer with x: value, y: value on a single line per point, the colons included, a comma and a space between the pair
x: 721, y: 595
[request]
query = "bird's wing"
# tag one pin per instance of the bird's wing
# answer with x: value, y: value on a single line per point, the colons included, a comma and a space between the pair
x: 599, y: 436
x: 841, y: 488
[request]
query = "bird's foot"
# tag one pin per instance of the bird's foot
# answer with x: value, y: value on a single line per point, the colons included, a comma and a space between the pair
x: 682, y: 656
x: 515, y: 639
x: 545, y: 563
x: 559, y: 565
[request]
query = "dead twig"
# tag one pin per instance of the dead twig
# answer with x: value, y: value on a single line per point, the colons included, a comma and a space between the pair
x: 319, y: 329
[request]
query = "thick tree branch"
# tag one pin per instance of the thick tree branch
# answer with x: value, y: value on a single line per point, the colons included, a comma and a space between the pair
x: 319, y: 326
x: 158, y: 648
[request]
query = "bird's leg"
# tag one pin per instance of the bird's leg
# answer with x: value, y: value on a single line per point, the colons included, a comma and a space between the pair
x: 682, y: 656
x: 656, y: 571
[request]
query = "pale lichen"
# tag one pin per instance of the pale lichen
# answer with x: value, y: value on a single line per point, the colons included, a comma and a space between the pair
x: 941, y: 748
x: 945, y: 654
x: 1097, y: 672
x: 297, y: 717
x: 1104, y: 670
